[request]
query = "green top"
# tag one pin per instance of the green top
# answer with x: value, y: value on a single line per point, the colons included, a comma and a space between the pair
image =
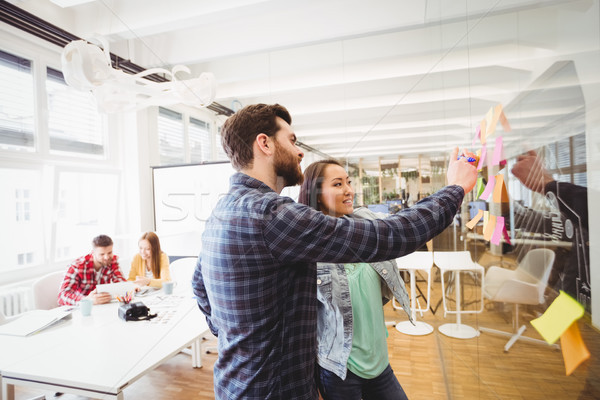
x: 369, y: 353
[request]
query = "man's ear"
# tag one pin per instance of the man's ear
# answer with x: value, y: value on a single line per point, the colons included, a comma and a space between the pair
x: 264, y: 143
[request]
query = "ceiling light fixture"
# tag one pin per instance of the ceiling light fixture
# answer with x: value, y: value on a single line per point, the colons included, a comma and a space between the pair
x: 87, y: 67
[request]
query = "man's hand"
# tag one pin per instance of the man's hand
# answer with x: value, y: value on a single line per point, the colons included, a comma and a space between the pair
x: 461, y: 172
x: 530, y: 171
x: 100, y: 298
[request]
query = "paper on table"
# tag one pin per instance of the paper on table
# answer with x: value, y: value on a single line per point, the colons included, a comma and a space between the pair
x: 116, y: 289
x: 35, y: 321
x: 573, y: 349
x: 563, y: 311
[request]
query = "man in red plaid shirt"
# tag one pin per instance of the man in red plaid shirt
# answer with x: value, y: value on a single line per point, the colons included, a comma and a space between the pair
x: 98, y: 267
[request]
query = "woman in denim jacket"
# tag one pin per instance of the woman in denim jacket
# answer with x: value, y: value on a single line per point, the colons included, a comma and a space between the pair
x: 352, y: 347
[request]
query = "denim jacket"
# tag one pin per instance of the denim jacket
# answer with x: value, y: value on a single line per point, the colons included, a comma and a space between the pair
x: 334, y: 323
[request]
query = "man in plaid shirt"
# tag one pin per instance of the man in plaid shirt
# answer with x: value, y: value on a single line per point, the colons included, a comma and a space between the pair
x: 98, y: 267
x: 256, y: 278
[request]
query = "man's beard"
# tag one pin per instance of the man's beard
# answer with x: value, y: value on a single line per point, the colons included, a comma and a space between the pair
x: 287, y: 167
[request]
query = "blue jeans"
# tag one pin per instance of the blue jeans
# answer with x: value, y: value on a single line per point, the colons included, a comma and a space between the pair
x: 384, y: 387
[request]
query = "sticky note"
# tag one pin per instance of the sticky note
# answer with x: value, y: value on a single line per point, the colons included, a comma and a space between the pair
x: 477, y: 133
x: 488, y: 188
x: 573, y: 348
x: 482, y: 158
x: 489, y: 229
x: 563, y: 311
x: 486, y: 218
x: 494, y: 121
x: 488, y: 122
x: 497, y: 235
x: 497, y: 151
x: 479, y: 188
x: 471, y: 224
x: 482, y: 131
x: 505, y: 234
x: 504, y: 122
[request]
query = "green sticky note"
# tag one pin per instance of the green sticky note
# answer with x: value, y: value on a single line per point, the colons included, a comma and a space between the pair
x: 480, y: 187
x: 563, y: 311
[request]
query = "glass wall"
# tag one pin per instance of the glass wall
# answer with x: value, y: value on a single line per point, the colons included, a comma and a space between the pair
x: 533, y: 119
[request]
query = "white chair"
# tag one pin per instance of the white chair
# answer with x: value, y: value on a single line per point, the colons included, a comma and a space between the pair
x: 458, y: 262
x: 182, y: 271
x: 524, y: 285
x: 417, y: 261
x: 45, y: 290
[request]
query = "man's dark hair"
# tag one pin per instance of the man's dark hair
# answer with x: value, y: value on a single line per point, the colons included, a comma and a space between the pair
x: 102, y: 241
x: 240, y: 131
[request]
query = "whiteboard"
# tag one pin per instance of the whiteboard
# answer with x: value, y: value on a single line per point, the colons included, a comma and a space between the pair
x: 184, y: 197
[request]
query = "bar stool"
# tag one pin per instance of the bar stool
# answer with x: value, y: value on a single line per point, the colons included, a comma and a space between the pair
x: 457, y: 262
x: 422, y: 261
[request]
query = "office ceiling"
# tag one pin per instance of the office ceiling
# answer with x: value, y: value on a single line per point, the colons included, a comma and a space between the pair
x: 376, y: 80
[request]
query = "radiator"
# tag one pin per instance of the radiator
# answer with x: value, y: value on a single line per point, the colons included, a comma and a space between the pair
x: 14, y: 301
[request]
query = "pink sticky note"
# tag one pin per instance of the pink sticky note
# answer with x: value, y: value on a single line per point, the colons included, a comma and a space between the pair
x: 477, y: 133
x: 506, y: 237
x: 482, y: 158
x: 497, y: 151
x: 488, y: 188
x: 497, y: 235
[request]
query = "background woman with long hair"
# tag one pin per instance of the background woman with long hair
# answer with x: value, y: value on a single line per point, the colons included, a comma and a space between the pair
x: 150, y: 267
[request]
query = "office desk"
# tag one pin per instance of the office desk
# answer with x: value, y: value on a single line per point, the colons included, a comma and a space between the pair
x: 100, y: 355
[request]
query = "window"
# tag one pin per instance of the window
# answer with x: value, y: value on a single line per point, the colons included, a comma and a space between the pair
x: 22, y: 202
x: 22, y: 233
x: 16, y: 103
x: 200, y: 141
x: 74, y: 123
x: 221, y: 155
x: 170, y: 137
x: 89, y: 208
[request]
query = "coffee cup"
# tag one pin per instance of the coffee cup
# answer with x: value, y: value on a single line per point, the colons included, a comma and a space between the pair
x: 85, y: 306
x: 168, y: 287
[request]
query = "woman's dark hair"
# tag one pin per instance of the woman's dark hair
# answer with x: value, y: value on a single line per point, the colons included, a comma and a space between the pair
x: 240, y: 131
x: 313, y: 183
x: 155, y: 252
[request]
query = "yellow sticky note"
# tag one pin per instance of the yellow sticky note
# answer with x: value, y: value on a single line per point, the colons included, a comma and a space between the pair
x: 563, y: 311
x: 500, y: 194
x: 471, y: 224
x: 573, y: 349
x: 486, y: 218
x: 488, y: 231
x: 483, y: 135
x: 489, y: 116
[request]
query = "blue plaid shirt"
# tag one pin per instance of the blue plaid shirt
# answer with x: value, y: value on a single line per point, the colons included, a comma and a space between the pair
x: 256, y: 279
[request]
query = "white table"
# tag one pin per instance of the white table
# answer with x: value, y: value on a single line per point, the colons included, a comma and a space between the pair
x: 100, y: 355
x: 458, y: 262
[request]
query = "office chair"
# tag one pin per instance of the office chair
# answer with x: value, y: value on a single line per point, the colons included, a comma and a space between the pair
x: 45, y: 290
x: 524, y: 285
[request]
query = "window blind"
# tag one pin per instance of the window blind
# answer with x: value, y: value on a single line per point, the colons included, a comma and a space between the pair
x: 74, y: 124
x: 170, y: 137
x: 199, y: 140
x: 16, y: 103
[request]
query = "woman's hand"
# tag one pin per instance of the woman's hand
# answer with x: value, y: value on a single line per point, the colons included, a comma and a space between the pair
x: 142, y: 281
